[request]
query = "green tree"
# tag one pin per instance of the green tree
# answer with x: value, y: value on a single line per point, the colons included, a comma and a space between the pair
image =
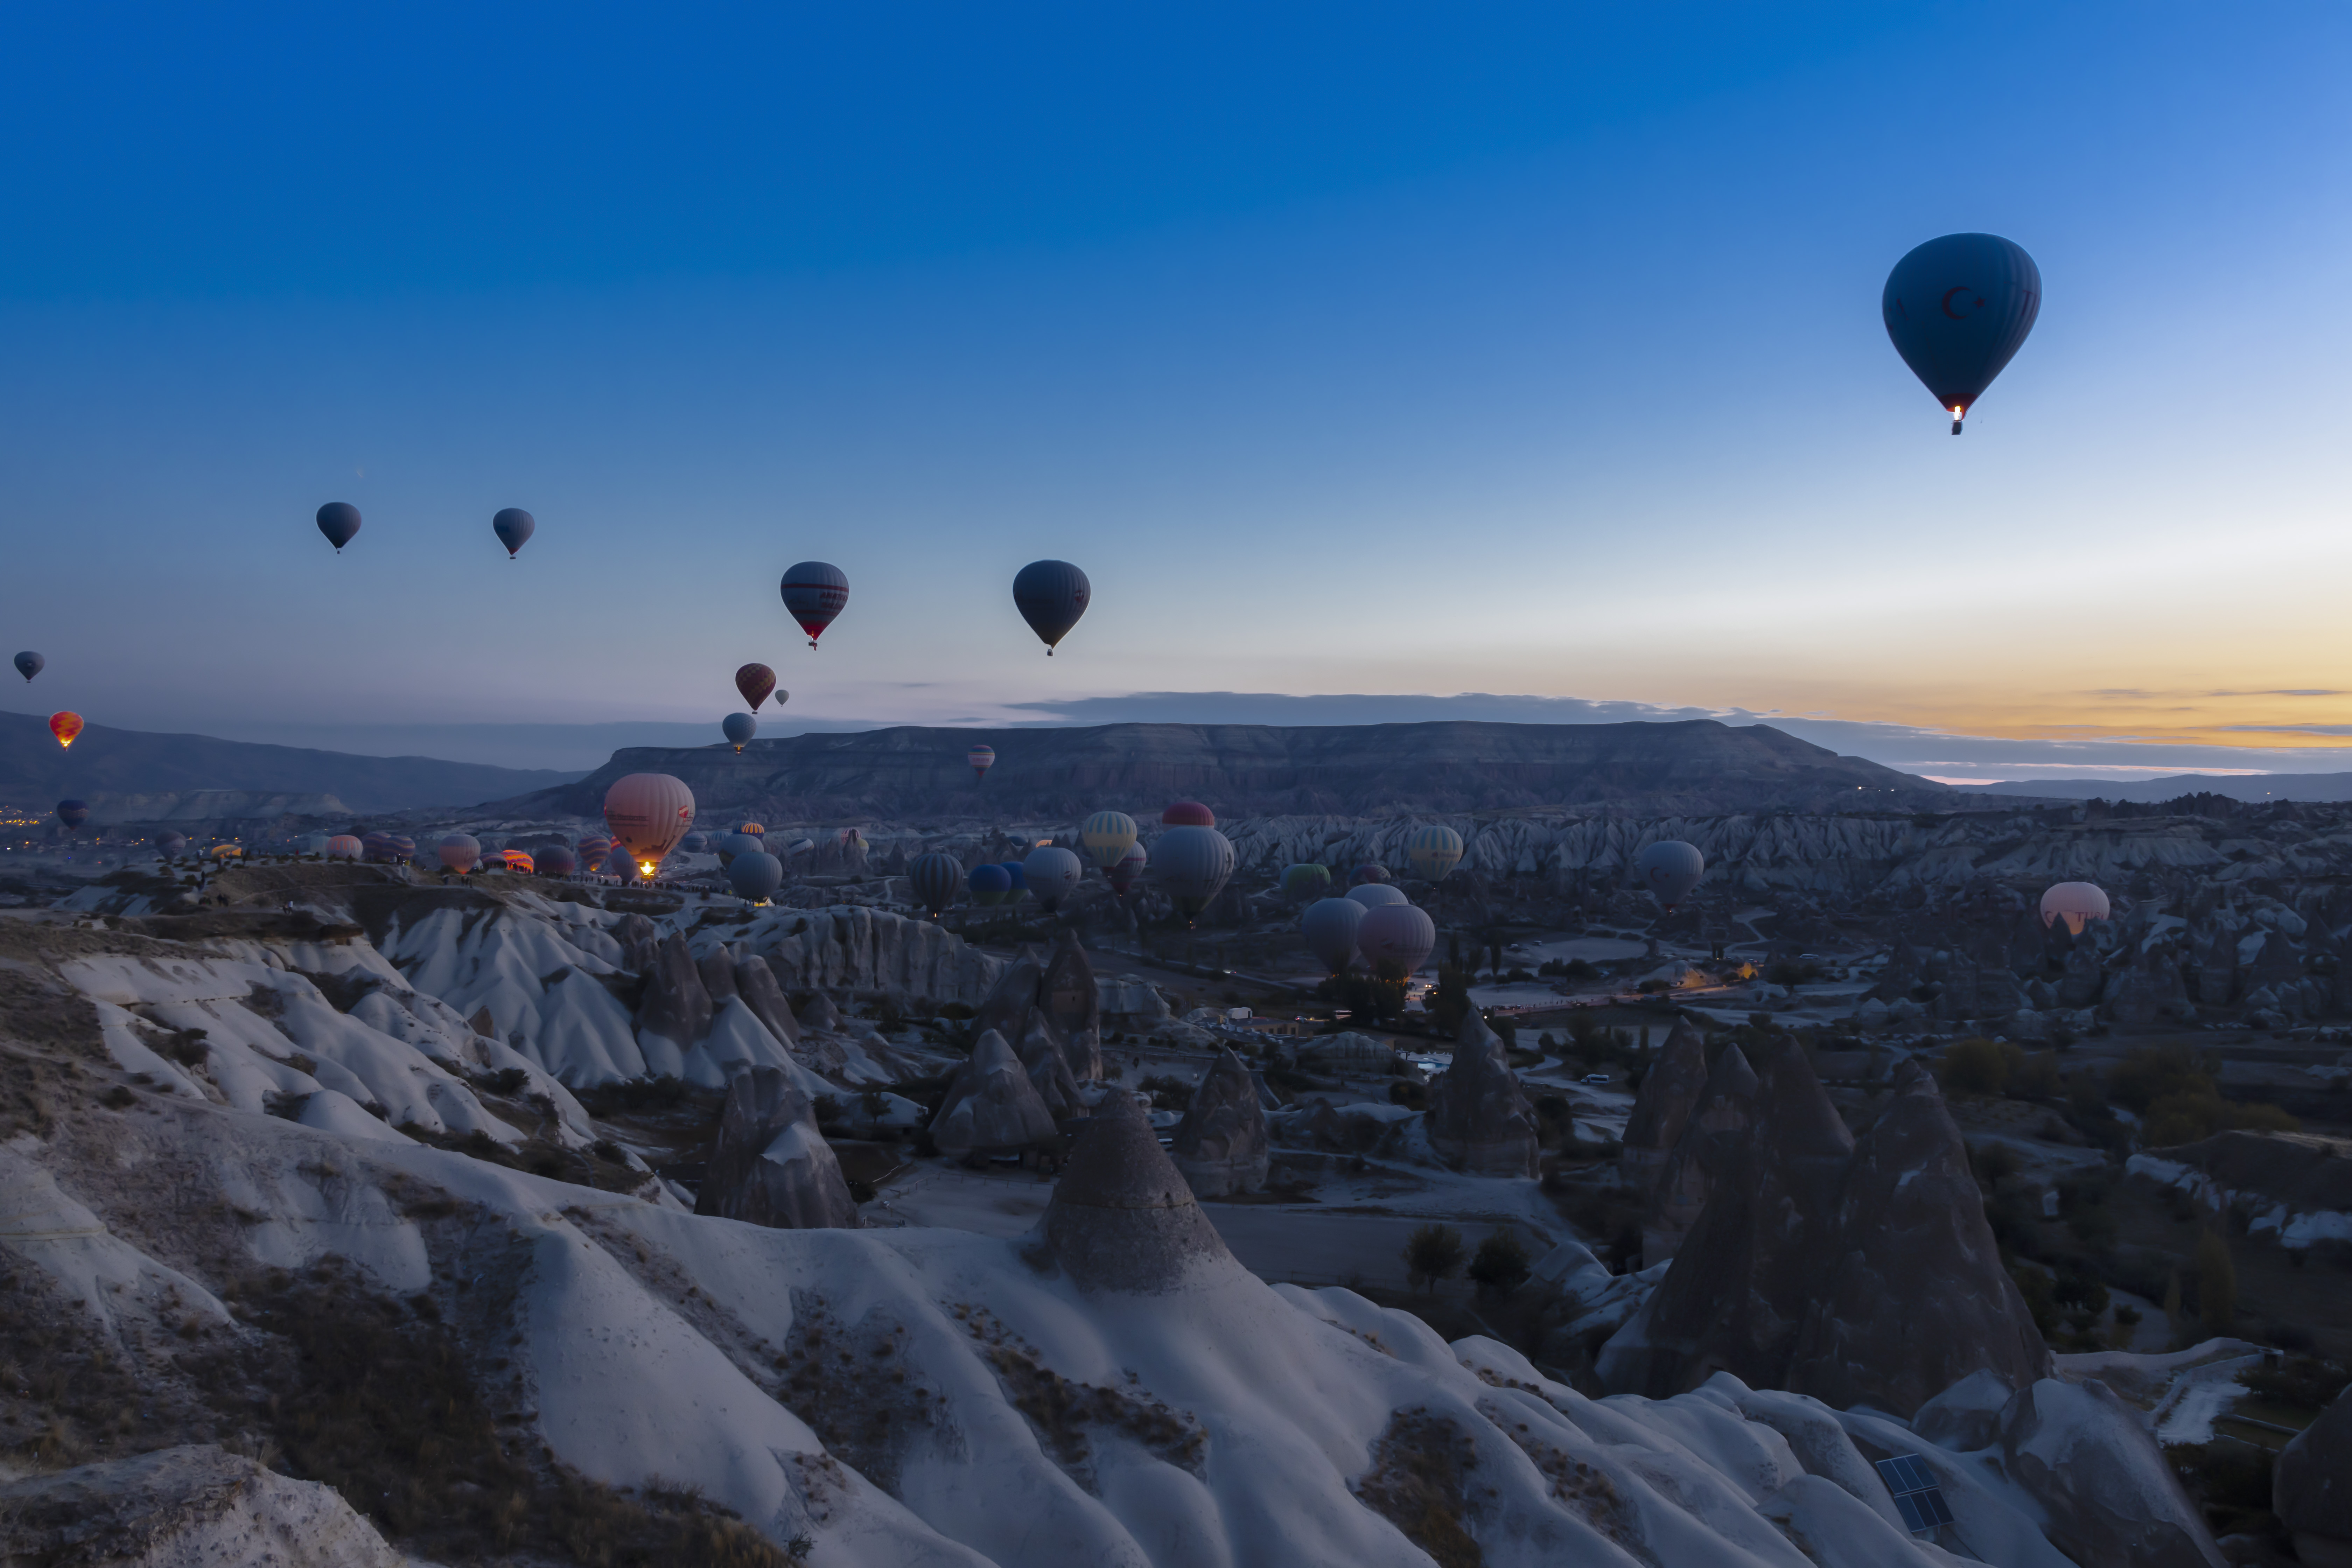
x: 1431, y: 1253
x: 1974, y: 1067
x: 2217, y: 1284
x: 1501, y: 1264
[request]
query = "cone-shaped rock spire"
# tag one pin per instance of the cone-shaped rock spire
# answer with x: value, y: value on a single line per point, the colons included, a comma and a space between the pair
x: 990, y: 1103
x: 1122, y: 1217
x: 1221, y: 1145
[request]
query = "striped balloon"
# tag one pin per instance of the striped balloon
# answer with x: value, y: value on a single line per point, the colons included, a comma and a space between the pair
x: 981, y: 758
x: 1433, y: 852
x: 935, y: 879
x: 1108, y: 836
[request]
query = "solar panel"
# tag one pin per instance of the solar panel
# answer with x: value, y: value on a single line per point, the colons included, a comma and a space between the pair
x: 1917, y: 1497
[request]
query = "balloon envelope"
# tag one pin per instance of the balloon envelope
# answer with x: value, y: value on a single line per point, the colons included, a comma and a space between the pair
x: 981, y: 758
x: 755, y: 829
x: 1015, y: 870
x: 814, y: 593
x: 989, y: 884
x: 738, y: 728
x: 1108, y: 836
x: 341, y: 846
x: 1192, y: 864
x: 728, y: 845
x: 1433, y: 852
x: 935, y: 877
x: 1329, y: 925
x: 73, y: 813
x: 1051, y: 596
x: 514, y: 528
x: 755, y: 681
x: 648, y: 813
x: 1670, y: 868
x: 518, y: 861
x: 755, y: 875
x: 1306, y: 882
x: 1396, y: 935
x: 1051, y: 874
x: 1130, y: 866
x: 171, y: 846
x: 460, y: 852
x: 555, y: 860
x: 340, y: 521
x: 1188, y: 814
x: 2076, y: 903
x: 1369, y: 872
x: 30, y: 664
x: 65, y: 727
x: 619, y: 863
x: 1377, y: 895
x: 1957, y: 309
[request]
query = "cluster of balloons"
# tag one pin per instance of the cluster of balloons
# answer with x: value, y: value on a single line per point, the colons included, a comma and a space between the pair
x: 340, y: 521
x: 1050, y: 594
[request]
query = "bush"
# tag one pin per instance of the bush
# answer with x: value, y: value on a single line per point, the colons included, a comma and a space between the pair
x: 1405, y: 1091
x: 1574, y: 969
x: 1976, y: 1066
x: 1167, y: 1093
x: 1431, y: 1253
x: 1501, y: 1264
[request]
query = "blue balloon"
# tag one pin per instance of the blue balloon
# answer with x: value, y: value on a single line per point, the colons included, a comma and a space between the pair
x: 1020, y: 875
x: 989, y: 884
x: 340, y: 521
x: 514, y: 528
x: 755, y: 875
x: 1958, y: 310
x: 738, y: 728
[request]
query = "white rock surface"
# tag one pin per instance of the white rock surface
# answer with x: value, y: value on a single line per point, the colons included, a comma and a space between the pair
x: 195, y: 1507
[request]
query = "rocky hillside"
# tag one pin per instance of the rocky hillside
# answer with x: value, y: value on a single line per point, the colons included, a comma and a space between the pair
x: 129, y: 776
x: 1241, y: 769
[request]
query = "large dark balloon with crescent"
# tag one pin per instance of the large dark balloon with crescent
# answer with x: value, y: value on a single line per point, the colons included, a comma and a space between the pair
x: 1958, y: 310
x: 340, y: 521
x: 30, y: 664
x: 1051, y: 596
x: 755, y: 681
x: 814, y: 593
x: 514, y: 528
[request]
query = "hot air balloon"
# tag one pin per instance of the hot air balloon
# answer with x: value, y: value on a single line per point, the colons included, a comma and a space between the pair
x: 1958, y: 308
x: 1670, y: 868
x: 695, y: 843
x: 1377, y: 895
x: 2076, y: 903
x: 755, y: 681
x: 341, y: 846
x: 376, y: 845
x: 648, y: 813
x: 1130, y: 866
x: 981, y: 759
x: 594, y: 849
x: 1020, y: 876
x: 1051, y: 873
x: 1433, y: 852
x: 1193, y: 864
x: 340, y: 521
x: 171, y: 846
x: 65, y: 727
x: 935, y: 879
x: 727, y: 846
x: 517, y: 861
x: 800, y: 847
x: 989, y: 884
x: 755, y: 875
x: 1369, y: 871
x: 404, y: 848
x: 555, y: 860
x: 813, y: 593
x: 1051, y: 596
x: 73, y: 813
x: 514, y: 528
x: 1398, y: 934
x: 755, y: 829
x: 1188, y: 814
x: 738, y: 728
x: 1329, y: 925
x: 1108, y: 836
x: 1306, y: 882
x: 620, y: 864
x: 226, y: 852
x: 460, y: 852
x: 30, y: 664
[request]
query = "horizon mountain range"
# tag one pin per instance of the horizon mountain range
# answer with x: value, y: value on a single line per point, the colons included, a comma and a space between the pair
x: 129, y: 775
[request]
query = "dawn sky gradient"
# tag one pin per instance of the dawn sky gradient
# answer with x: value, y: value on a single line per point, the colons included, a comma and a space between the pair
x: 1350, y: 349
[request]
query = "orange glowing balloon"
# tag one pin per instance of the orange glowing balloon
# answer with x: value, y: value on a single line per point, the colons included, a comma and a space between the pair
x: 65, y: 727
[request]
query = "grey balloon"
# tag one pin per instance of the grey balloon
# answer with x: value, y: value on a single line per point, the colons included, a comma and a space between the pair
x: 755, y: 875
x: 1051, y: 874
x: 1329, y: 925
x: 1670, y: 868
x: 1396, y: 934
x: 1377, y: 895
x: 1191, y: 865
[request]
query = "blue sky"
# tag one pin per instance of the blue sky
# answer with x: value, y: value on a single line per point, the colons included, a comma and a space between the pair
x: 1355, y: 350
